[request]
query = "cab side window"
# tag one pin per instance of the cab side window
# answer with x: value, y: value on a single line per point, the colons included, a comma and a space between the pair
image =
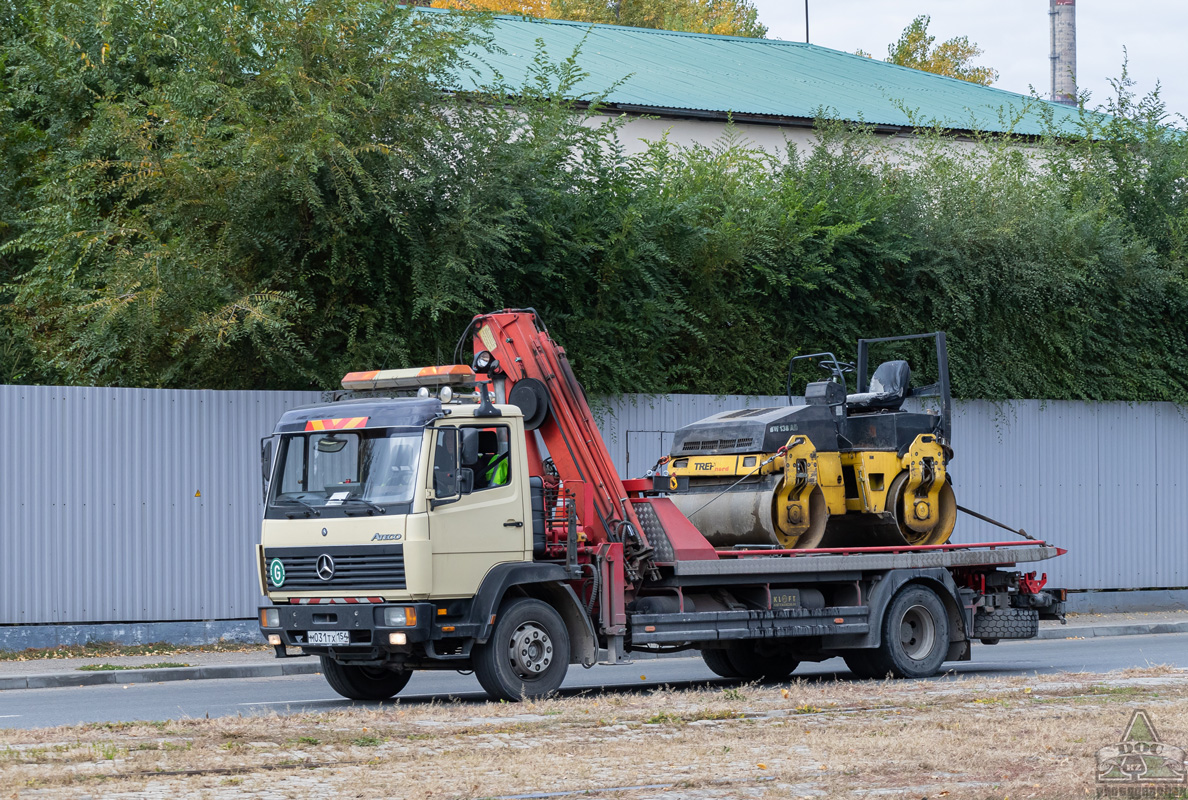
x: 492, y: 464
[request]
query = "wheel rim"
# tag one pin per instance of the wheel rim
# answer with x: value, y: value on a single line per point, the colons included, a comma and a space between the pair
x: 917, y: 633
x: 530, y: 650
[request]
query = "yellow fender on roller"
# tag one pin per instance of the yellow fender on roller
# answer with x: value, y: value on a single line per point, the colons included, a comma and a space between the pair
x: 921, y: 497
x: 801, y: 512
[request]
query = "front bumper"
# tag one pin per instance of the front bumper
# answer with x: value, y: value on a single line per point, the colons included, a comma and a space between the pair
x: 361, y: 621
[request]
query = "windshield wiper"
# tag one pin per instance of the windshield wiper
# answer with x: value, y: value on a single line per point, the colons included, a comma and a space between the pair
x: 291, y: 500
x: 370, y: 505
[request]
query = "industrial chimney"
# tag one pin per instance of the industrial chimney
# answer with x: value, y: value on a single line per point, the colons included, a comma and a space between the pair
x: 1064, y: 51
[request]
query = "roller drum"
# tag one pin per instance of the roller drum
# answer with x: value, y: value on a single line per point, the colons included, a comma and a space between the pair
x: 740, y: 516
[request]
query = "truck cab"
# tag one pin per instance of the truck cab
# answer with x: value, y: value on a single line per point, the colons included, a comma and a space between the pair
x: 443, y: 493
x: 383, y: 519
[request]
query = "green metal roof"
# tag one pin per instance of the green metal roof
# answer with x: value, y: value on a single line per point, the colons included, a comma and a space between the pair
x: 703, y: 74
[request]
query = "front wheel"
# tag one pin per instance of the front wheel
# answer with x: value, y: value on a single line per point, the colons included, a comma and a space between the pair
x: 364, y: 683
x: 527, y: 655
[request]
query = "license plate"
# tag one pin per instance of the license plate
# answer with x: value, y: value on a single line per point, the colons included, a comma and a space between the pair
x: 329, y: 637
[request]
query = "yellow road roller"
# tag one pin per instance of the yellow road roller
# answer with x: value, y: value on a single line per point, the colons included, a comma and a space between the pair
x: 840, y: 470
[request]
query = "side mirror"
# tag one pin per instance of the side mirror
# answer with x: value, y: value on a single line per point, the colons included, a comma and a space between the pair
x: 266, y: 449
x: 465, y: 481
x: 470, y: 445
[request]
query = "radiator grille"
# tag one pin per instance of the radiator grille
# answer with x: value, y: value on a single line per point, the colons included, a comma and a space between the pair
x: 354, y: 567
x: 746, y: 412
x: 717, y: 444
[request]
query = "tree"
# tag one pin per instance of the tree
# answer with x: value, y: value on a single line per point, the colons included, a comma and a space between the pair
x: 725, y: 17
x: 952, y: 58
x: 237, y: 179
x: 529, y: 8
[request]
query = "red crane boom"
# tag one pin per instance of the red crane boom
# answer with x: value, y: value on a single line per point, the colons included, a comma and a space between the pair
x: 536, y: 375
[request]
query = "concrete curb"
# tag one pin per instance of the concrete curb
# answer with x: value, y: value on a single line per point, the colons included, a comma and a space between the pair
x: 55, y: 680
x: 1091, y: 631
x: 312, y: 666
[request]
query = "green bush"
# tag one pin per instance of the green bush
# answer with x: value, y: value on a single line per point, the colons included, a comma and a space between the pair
x: 266, y: 195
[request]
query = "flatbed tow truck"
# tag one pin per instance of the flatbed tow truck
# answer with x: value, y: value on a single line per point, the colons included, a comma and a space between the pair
x: 449, y: 531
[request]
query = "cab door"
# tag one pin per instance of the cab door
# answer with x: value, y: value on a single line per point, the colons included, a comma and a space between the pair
x: 474, y: 530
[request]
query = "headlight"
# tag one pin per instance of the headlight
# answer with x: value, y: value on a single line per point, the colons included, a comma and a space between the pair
x: 400, y: 617
x: 269, y: 618
x: 482, y: 361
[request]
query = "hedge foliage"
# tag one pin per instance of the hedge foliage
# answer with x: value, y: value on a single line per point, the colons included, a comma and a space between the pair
x: 268, y: 195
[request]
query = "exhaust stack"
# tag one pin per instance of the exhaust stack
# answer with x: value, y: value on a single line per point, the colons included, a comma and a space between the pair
x: 1064, y: 51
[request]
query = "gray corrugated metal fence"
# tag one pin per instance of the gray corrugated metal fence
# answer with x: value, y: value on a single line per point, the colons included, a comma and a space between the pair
x: 138, y: 505
x: 131, y: 504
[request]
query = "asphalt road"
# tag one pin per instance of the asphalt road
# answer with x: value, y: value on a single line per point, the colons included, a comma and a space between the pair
x: 33, y: 708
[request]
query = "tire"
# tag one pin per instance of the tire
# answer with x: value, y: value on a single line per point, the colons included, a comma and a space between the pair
x: 915, y: 638
x: 364, y: 683
x: 719, y: 663
x: 527, y: 655
x: 860, y: 665
x: 753, y: 665
x: 1006, y: 623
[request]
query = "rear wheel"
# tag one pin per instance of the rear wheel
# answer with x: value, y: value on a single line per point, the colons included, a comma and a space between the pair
x: 528, y: 652
x: 753, y: 664
x: 719, y: 663
x: 915, y: 637
x: 364, y: 683
x: 860, y: 665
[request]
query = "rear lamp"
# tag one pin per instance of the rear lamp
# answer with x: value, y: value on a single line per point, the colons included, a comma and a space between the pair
x: 400, y: 617
x: 269, y: 618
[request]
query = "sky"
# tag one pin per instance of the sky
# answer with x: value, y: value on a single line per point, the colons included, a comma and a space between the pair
x: 1015, y: 37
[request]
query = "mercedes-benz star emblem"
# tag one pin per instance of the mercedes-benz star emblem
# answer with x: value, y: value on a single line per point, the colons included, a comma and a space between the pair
x: 325, y: 567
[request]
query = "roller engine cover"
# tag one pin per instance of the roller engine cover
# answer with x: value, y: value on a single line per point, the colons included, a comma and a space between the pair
x: 754, y: 430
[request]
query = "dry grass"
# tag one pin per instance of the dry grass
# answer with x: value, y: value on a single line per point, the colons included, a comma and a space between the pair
x: 112, y: 650
x: 956, y: 738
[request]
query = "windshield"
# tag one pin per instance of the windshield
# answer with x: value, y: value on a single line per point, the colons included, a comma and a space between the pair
x: 345, y: 470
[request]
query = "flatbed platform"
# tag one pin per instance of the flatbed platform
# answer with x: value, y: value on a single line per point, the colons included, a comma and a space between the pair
x: 768, y: 562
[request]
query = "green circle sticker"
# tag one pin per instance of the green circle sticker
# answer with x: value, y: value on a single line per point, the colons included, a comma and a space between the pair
x: 276, y: 572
